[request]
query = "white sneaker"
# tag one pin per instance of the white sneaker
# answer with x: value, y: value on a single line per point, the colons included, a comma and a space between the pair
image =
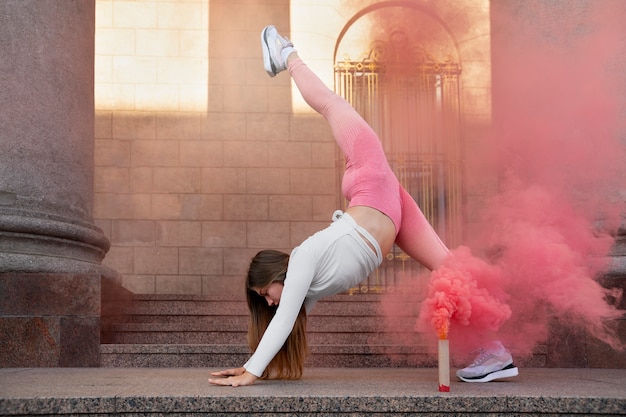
x: 492, y: 363
x: 276, y: 49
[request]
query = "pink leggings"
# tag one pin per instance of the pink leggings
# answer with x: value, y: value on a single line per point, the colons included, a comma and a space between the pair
x: 368, y: 179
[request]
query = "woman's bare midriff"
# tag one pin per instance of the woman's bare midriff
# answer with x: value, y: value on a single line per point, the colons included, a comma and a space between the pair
x: 377, y: 224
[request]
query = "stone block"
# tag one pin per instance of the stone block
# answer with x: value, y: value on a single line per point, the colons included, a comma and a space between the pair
x: 79, y: 341
x: 115, y: 301
x: 200, y: 261
x: 224, y: 180
x: 246, y: 154
x: 223, y: 234
x: 120, y: 259
x: 299, y: 231
x: 115, y: 41
x: 131, y: 14
x: 201, y: 207
x: 573, y: 347
x: 29, y: 342
x: 160, y: 43
x: 141, y: 180
x: 601, y: 355
x: 49, y: 295
x: 177, y: 15
x: 290, y: 154
x: 178, y: 284
x: 122, y: 206
x: 323, y: 154
x: 313, y: 181
x: 134, y: 69
x: 131, y: 125
x: 268, y: 235
x: 324, y: 207
x: 103, y: 127
x: 112, y: 179
x: 179, y: 233
x: 195, y: 153
x: 110, y: 153
x: 245, y: 207
x: 225, y: 286
x: 236, y: 263
x: 225, y: 126
x: 156, y: 260
x: 133, y: 232
x: 140, y: 284
x: 268, y: 127
x: 176, y: 180
x: 180, y: 126
x: 290, y: 207
x: 49, y: 320
x: 154, y: 153
x: 310, y: 128
x: 170, y: 207
x: 267, y: 180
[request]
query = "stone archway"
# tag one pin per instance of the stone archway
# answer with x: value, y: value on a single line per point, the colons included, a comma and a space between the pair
x: 404, y: 80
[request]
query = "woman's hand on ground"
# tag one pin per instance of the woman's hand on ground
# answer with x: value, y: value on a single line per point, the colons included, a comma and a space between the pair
x: 237, y: 377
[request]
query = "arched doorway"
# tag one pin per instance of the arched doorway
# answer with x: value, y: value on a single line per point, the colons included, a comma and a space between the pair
x: 405, y: 82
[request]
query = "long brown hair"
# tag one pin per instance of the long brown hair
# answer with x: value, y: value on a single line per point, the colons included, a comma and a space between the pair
x: 266, y: 267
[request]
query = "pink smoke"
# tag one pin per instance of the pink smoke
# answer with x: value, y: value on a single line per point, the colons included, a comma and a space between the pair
x: 546, y: 233
x: 459, y: 293
x: 544, y: 259
x: 551, y: 256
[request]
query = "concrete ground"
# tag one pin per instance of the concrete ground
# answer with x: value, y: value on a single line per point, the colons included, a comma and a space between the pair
x: 336, y: 391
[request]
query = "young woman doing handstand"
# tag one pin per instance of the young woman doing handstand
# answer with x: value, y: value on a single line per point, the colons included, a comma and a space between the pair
x: 282, y: 288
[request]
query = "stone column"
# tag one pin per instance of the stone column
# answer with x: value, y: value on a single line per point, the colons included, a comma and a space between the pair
x: 50, y: 250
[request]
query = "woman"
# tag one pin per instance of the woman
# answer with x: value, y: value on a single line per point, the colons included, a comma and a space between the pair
x: 283, y: 288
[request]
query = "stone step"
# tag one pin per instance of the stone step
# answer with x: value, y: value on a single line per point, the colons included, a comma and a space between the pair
x: 180, y: 319
x: 347, y: 325
x: 161, y: 335
x: 337, y: 392
x: 234, y: 355
x: 315, y: 323
x: 321, y: 355
x: 195, y: 330
x: 196, y: 305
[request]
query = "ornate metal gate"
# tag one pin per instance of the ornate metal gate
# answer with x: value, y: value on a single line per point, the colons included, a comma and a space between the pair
x: 412, y: 102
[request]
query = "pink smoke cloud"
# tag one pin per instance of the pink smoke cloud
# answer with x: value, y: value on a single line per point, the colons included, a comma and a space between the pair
x: 546, y: 233
x: 461, y: 293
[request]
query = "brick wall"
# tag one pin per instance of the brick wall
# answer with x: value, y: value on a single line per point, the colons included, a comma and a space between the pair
x: 201, y: 159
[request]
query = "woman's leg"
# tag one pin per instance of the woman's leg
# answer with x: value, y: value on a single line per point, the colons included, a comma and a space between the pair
x: 368, y: 179
x: 346, y: 123
x: 363, y: 149
x: 417, y: 237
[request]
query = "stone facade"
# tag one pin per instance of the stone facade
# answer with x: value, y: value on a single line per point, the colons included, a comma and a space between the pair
x: 199, y: 159
x: 219, y: 160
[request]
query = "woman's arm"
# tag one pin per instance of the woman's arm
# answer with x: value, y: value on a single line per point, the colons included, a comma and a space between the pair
x: 297, y: 282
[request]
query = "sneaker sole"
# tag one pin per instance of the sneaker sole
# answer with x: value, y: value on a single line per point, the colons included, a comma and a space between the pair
x: 267, y: 60
x: 505, y: 373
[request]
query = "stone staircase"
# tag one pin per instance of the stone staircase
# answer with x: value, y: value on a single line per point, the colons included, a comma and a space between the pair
x: 343, y: 331
x: 192, y: 331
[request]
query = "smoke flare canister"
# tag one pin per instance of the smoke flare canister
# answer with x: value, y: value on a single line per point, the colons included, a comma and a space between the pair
x: 444, y: 365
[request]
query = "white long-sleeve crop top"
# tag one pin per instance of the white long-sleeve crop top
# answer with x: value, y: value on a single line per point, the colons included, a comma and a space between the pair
x: 327, y: 263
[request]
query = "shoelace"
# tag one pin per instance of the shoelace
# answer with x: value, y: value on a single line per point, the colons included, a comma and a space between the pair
x: 483, y: 355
